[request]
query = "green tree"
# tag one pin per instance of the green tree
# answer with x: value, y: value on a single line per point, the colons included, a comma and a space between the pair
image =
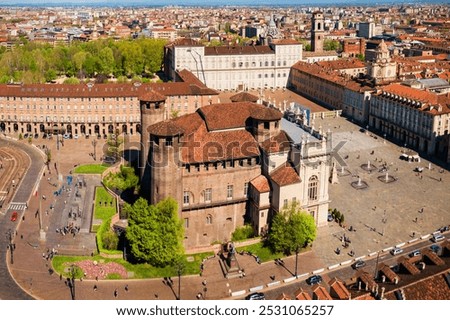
x: 110, y: 240
x: 106, y: 61
x: 291, y: 229
x: 155, y: 232
x: 122, y: 180
x: 329, y: 45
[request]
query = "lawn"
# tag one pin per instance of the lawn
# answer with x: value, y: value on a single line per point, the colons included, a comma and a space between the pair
x: 91, y: 168
x: 139, y: 271
x: 105, y: 204
x: 264, y: 253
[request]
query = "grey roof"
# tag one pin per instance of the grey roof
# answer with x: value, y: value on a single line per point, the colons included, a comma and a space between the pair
x: 434, y: 82
x: 295, y: 132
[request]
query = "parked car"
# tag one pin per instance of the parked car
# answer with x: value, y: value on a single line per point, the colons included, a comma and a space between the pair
x: 438, y: 237
x: 14, y: 216
x: 330, y: 217
x: 358, y: 264
x: 36, y: 135
x: 75, y: 136
x: 396, y: 251
x: 435, y: 248
x: 415, y: 253
x: 256, y: 296
x: 314, y: 279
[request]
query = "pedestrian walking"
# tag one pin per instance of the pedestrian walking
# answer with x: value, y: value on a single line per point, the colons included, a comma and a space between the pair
x: 95, y: 287
x: 126, y: 287
x: 116, y: 293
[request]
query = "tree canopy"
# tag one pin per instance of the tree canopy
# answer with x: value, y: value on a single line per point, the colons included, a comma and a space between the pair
x: 31, y: 62
x: 291, y: 229
x: 155, y: 232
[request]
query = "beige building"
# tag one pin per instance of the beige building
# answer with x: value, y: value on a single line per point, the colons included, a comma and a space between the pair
x: 93, y: 109
x: 418, y: 119
x: 229, y: 163
x: 234, y: 67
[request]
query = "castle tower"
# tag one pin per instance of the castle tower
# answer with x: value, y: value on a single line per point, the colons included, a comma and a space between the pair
x: 164, y: 160
x: 317, y: 31
x: 266, y: 123
x: 152, y: 111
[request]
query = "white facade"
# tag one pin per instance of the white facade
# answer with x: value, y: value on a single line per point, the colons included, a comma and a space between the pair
x: 238, y: 68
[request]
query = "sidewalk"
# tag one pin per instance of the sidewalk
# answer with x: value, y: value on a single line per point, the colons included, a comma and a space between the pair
x: 362, y: 208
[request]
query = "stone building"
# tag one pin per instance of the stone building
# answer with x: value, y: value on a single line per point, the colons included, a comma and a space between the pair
x: 93, y: 109
x: 231, y: 163
x: 234, y: 67
x: 418, y: 119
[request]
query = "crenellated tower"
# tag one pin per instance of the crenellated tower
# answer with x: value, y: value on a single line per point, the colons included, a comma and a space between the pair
x: 152, y: 111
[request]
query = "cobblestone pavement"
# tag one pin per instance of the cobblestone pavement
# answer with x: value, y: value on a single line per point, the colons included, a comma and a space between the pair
x: 383, y: 215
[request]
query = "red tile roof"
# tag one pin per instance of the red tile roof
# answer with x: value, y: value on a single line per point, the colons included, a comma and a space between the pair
x: 235, y: 115
x: 278, y: 143
x: 320, y: 293
x: 261, y: 184
x: 243, y: 97
x: 285, y: 175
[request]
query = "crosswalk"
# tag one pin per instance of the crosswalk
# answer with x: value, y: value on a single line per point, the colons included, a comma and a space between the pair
x: 18, y: 206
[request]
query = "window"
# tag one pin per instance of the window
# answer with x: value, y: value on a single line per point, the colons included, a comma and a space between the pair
x: 229, y: 191
x: 186, y: 198
x: 186, y: 223
x: 312, y: 188
x: 208, y: 195
x: 285, y: 203
x: 209, y: 219
x: 245, y: 189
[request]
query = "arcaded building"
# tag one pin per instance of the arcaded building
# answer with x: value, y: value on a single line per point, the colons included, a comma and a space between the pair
x: 231, y: 163
x: 94, y: 109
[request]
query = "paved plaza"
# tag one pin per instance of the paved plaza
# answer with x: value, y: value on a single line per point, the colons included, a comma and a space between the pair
x: 383, y: 214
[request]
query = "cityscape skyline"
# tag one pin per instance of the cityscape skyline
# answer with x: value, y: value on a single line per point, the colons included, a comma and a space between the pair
x: 203, y: 3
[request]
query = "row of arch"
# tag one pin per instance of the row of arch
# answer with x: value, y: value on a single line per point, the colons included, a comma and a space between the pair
x: 69, y: 128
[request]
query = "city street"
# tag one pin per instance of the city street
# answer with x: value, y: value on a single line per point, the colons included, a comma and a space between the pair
x: 381, y: 215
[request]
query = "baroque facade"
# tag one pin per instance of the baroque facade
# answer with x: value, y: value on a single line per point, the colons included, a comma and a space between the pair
x: 231, y: 163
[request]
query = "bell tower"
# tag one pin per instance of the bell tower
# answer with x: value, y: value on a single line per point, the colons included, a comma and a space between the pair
x: 317, y: 31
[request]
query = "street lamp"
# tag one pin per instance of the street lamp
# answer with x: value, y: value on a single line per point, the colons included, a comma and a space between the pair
x: 180, y: 269
x: 296, y: 260
x: 11, y: 246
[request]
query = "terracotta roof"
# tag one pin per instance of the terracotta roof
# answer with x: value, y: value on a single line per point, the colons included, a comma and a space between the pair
x: 320, y: 293
x: 198, y: 145
x: 188, y: 76
x: 261, y: 184
x: 343, y: 64
x: 109, y: 90
x: 302, y: 295
x: 228, y: 115
x: 283, y: 296
x: 152, y: 96
x: 430, y: 102
x: 387, y: 271
x: 165, y: 129
x: 243, y: 97
x: 338, y: 289
x: 278, y: 143
x: 266, y: 114
x: 285, y: 175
